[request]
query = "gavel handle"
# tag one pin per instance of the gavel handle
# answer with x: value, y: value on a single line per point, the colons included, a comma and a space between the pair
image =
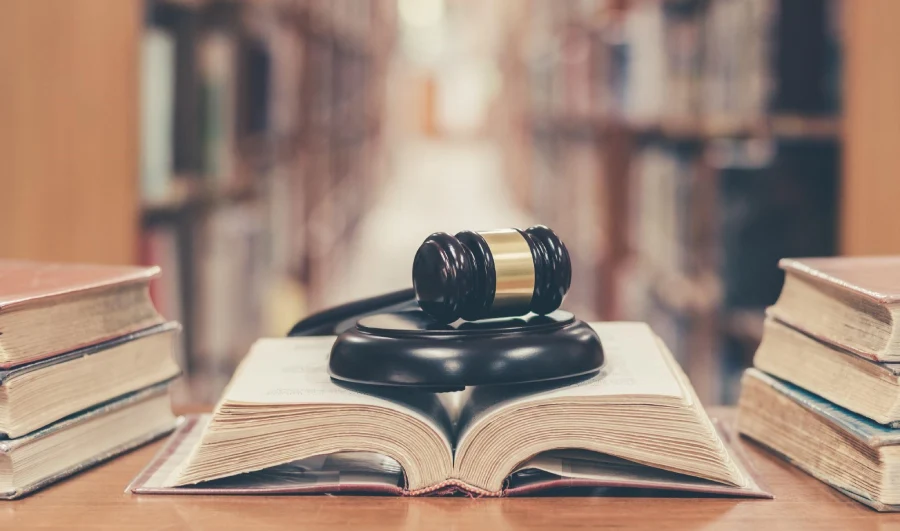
x: 337, y: 319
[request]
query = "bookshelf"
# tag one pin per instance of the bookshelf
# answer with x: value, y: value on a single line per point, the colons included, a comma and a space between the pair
x: 70, y: 148
x: 236, y: 143
x: 712, y: 157
x: 271, y: 158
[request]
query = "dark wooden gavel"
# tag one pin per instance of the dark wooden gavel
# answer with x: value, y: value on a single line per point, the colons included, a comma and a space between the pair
x: 498, y: 273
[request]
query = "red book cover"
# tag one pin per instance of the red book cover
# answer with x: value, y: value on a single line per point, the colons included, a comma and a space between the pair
x: 24, y: 283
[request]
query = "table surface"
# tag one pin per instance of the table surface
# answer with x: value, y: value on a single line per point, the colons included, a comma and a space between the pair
x: 95, y: 499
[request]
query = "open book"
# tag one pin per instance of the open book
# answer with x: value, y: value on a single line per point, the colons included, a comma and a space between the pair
x: 282, y: 421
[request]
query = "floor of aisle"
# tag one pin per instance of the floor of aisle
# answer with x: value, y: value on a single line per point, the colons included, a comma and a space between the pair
x: 433, y: 186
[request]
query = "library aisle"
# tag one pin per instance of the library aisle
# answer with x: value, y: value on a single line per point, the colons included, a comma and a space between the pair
x: 434, y: 185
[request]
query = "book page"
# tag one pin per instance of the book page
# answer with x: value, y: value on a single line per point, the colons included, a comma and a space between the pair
x: 634, y: 366
x: 289, y: 371
x: 354, y: 470
x: 580, y: 464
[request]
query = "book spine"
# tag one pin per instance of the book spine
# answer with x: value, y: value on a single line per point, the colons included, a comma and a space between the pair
x: 157, y: 113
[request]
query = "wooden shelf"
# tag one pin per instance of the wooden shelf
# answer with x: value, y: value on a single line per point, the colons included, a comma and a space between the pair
x: 190, y: 193
x: 802, y: 127
x: 202, y: 4
x: 696, y: 129
x: 193, y: 4
x: 566, y: 126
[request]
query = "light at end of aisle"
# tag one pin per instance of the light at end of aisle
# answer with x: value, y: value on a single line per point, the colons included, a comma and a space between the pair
x: 421, y: 13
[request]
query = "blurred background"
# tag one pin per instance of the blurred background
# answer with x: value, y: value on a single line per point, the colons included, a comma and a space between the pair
x: 276, y: 157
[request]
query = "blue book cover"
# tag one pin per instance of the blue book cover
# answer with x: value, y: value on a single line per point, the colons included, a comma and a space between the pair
x: 866, y: 431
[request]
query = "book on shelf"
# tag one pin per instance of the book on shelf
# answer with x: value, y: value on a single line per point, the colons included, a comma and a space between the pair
x: 573, y: 89
x: 80, y: 441
x: 682, y: 35
x: 725, y: 59
x: 48, y: 309
x: 183, y: 25
x: 319, y: 59
x: 736, y: 57
x: 254, y: 87
x: 583, y: 189
x: 39, y: 393
x: 287, y: 71
x: 187, y: 135
x: 807, y: 66
x: 851, y: 453
x: 686, y: 60
x: 157, y: 113
x: 663, y: 206
x: 228, y: 305
x: 642, y: 88
x: 283, y: 425
x: 851, y: 381
x: 850, y: 302
x: 217, y: 51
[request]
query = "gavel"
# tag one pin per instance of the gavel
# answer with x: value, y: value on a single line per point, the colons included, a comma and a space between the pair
x: 500, y: 279
x: 490, y: 274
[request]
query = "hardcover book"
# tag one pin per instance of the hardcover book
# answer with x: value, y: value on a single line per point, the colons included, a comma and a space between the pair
x: 637, y: 422
x: 48, y: 309
x: 859, y: 384
x: 81, y: 441
x: 157, y: 113
x: 851, y: 302
x: 845, y: 450
x: 39, y: 393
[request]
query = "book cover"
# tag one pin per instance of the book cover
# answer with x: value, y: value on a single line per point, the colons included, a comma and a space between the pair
x: 865, y: 431
x: 101, y: 410
x: 874, y: 277
x: 25, y: 283
x: 776, y: 331
x: 6, y: 374
x: 859, y: 429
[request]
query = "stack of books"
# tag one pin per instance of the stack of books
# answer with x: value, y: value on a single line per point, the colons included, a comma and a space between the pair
x: 85, y: 363
x: 825, y: 388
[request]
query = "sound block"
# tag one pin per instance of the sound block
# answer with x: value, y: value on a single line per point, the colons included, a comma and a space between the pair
x: 410, y: 349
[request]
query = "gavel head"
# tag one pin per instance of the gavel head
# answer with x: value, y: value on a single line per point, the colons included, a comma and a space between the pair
x: 498, y: 273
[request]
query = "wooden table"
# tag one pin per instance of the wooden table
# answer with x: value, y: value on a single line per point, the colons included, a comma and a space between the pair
x: 96, y: 500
